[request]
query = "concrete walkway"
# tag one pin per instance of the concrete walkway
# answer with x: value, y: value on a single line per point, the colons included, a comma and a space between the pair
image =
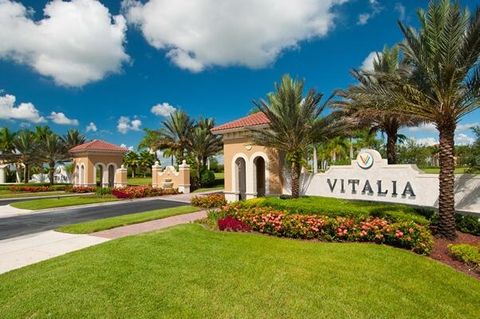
x: 10, y: 211
x: 141, y: 228
x: 26, y: 250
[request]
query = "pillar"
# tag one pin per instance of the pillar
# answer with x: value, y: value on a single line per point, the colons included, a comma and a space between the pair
x: 155, y: 171
x: 120, y: 179
x: 184, y: 173
x: 2, y: 174
x: 315, y: 161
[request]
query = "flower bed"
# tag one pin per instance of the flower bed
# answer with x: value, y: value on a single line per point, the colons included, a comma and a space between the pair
x: 141, y: 192
x: 468, y: 254
x: 209, y: 201
x: 81, y: 189
x: 30, y: 189
x: 405, y: 234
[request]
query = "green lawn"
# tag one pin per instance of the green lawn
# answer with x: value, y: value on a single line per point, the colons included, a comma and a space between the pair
x: 139, y: 181
x: 191, y: 272
x: 36, y: 204
x: 10, y: 194
x: 112, y: 222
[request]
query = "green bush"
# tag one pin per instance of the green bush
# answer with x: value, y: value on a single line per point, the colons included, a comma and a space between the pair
x: 103, y: 191
x: 207, y: 178
x: 468, y: 224
x: 54, y: 187
x: 468, y: 254
x: 338, y: 207
x: 208, y: 201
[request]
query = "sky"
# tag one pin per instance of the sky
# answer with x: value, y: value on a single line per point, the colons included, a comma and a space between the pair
x: 114, y: 68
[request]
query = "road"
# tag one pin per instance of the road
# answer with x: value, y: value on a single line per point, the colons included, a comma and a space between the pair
x: 32, y: 223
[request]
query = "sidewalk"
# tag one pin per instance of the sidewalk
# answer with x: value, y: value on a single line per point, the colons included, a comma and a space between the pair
x: 26, y: 250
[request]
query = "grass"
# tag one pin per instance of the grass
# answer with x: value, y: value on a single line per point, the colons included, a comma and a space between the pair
x: 112, y: 222
x: 191, y: 272
x: 10, y: 194
x: 136, y: 181
x: 339, y: 207
x: 45, y: 203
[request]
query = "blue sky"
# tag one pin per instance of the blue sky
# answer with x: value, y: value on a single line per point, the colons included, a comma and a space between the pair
x: 88, y: 64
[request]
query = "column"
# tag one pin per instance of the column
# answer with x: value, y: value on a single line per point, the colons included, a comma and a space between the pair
x: 315, y: 161
x: 184, y: 172
x: 155, y: 170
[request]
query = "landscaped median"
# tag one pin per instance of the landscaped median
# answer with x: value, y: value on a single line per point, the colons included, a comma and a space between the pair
x: 45, y: 203
x: 124, y: 220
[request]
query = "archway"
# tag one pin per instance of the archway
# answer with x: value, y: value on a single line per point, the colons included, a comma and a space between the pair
x: 259, y: 181
x: 240, y: 172
x: 99, y: 175
x: 111, y: 175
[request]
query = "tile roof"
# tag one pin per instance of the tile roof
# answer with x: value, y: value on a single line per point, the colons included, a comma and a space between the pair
x: 98, y: 145
x: 255, y: 119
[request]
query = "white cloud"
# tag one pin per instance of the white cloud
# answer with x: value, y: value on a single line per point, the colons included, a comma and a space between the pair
x: 367, y: 64
x: 426, y: 141
x: 24, y: 111
x: 61, y: 119
x: 75, y: 43
x: 130, y: 148
x: 400, y: 8
x: 463, y: 139
x: 91, y: 127
x: 163, y: 109
x: 203, y: 33
x: 125, y: 124
x: 425, y: 128
x: 375, y: 10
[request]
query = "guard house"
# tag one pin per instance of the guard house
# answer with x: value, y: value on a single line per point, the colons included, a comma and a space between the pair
x: 250, y: 170
x: 99, y: 160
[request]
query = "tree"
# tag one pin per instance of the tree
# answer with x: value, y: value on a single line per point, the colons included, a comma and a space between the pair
x: 131, y: 160
x: 294, y: 124
x: 203, y: 144
x: 440, y: 85
x: 52, y: 150
x: 27, y: 147
x: 145, y: 160
x: 362, y: 113
x: 473, y: 159
x: 7, y: 139
x: 72, y: 139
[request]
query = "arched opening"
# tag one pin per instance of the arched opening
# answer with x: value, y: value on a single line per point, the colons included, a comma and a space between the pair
x: 99, y: 178
x: 111, y: 175
x: 259, y: 172
x: 82, y: 175
x: 240, y: 169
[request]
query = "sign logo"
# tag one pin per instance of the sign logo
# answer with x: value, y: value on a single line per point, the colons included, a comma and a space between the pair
x: 365, y: 160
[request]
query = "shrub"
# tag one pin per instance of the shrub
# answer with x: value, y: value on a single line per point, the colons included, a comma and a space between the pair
x: 468, y: 224
x: 231, y: 224
x: 207, y: 178
x: 468, y: 254
x: 209, y: 201
x: 30, y: 189
x: 404, y: 234
x: 81, y: 189
x: 130, y: 192
x: 339, y: 207
x: 101, y: 191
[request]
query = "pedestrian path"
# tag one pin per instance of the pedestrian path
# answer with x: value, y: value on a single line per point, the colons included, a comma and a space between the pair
x: 10, y: 211
x: 26, y: 250
x: 158, y: 224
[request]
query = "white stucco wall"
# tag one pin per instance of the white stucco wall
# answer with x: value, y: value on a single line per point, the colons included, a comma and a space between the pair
x: 424, y: 186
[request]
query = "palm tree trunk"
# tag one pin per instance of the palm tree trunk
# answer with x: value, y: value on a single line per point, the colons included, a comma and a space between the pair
x: 51, y: 171
x: 446, y: 201
x: 296, y: 168
x: 391, y: 148
x: 25, y: 173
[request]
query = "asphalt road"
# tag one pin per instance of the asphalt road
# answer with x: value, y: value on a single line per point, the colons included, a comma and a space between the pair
x: 32, y: 223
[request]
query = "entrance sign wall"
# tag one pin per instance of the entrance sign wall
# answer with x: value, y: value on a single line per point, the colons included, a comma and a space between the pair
x: 170, y: 178
x: 369, y: 177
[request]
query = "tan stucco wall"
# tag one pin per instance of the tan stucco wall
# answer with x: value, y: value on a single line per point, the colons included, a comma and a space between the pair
x: 89, y: 160
x: 179, y: 180
x: 242, y: 146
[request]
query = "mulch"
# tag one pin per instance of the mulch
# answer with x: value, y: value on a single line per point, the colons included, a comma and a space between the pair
x: 440, y: 252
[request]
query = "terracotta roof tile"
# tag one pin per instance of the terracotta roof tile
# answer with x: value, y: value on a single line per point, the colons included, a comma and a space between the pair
x: 255, y: 119
x: 98, y: 145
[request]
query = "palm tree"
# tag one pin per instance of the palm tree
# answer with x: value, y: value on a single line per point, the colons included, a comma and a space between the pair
x: 337, y: 146
x: 7, y: 139
x: 52, y: 150
x: 131, y: 160
x: 72, y: 138
x: 362, y: 114
x: 203, y: 144
x: 294, y: 124
x: 145, y: 160
x: 27, y: 147
x: 441, y: 85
